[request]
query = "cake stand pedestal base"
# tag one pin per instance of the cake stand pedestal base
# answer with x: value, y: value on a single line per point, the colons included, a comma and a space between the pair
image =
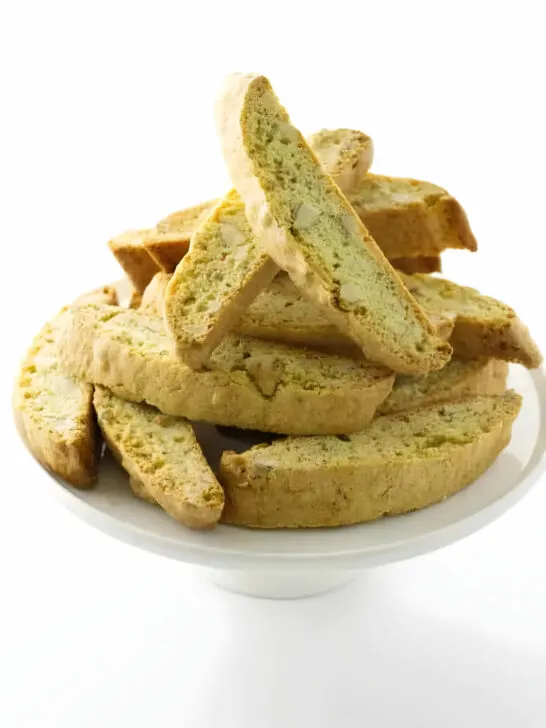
x: 272, y: 584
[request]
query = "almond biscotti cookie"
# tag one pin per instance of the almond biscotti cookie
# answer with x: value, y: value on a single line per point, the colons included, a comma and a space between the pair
x: 305, y: 224
x: 281, y: 313
x: 399, y: 463
x: 162, y: 454
x: 410, y: 220
x: 476, y: 326
x: 459, y: 379
x: 347, y: 152
x: 483, y: 326
x: 56, y: 410
x: 408, y: 217
x: 250, y: 384
x: 215, y: 282
x: 226, y: 268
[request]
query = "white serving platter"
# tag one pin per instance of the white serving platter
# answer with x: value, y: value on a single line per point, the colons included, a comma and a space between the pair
x: 291, y: 563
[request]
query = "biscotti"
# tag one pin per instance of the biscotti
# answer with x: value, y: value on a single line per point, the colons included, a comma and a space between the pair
x: 215, y: 282
x: 139, y: 266
x: 408, y: 217
x: 483, y: 326
x: 251, y: 384
x: 226, y: 268
x: 281, y: 313
x: 459, y: 379
x: 162, y: 454
x: 410, y: 220
x: 169, y: 241
x: 56, y: 411
x: 399, y: 463
x: 306, y: 225
x: 476, y: 326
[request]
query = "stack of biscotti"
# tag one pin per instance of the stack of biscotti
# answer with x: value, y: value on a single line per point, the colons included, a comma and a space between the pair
x: 300, y: 305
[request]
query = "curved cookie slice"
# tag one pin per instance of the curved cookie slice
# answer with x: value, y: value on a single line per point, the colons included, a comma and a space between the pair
x: 215, y: 282
x: 163, y: 456
x: 483, y: 326
x: 226, y: 268
x: 399, y: 463
x: 302, y: 220
x: 251, y: 384
x: 408, y: 217
x: 459, y: 379
x: 56, y: 411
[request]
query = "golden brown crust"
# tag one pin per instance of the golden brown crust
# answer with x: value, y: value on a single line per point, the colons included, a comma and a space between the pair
x: 169, y: 241
x: 419, y: 264
x: 409, y: 218
x: 510, y: 340
x: 161, y: 454
x: 135, y: 299
x: 483, y: 326
x: 322, y: 481
x: 138, y: 264
x: 459, y: 379
x: 251, y: 384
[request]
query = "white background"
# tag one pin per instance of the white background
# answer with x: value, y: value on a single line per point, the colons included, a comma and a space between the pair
x: 106, y: 124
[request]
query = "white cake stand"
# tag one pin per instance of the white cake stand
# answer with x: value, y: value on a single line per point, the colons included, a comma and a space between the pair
x: 298, y: 563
